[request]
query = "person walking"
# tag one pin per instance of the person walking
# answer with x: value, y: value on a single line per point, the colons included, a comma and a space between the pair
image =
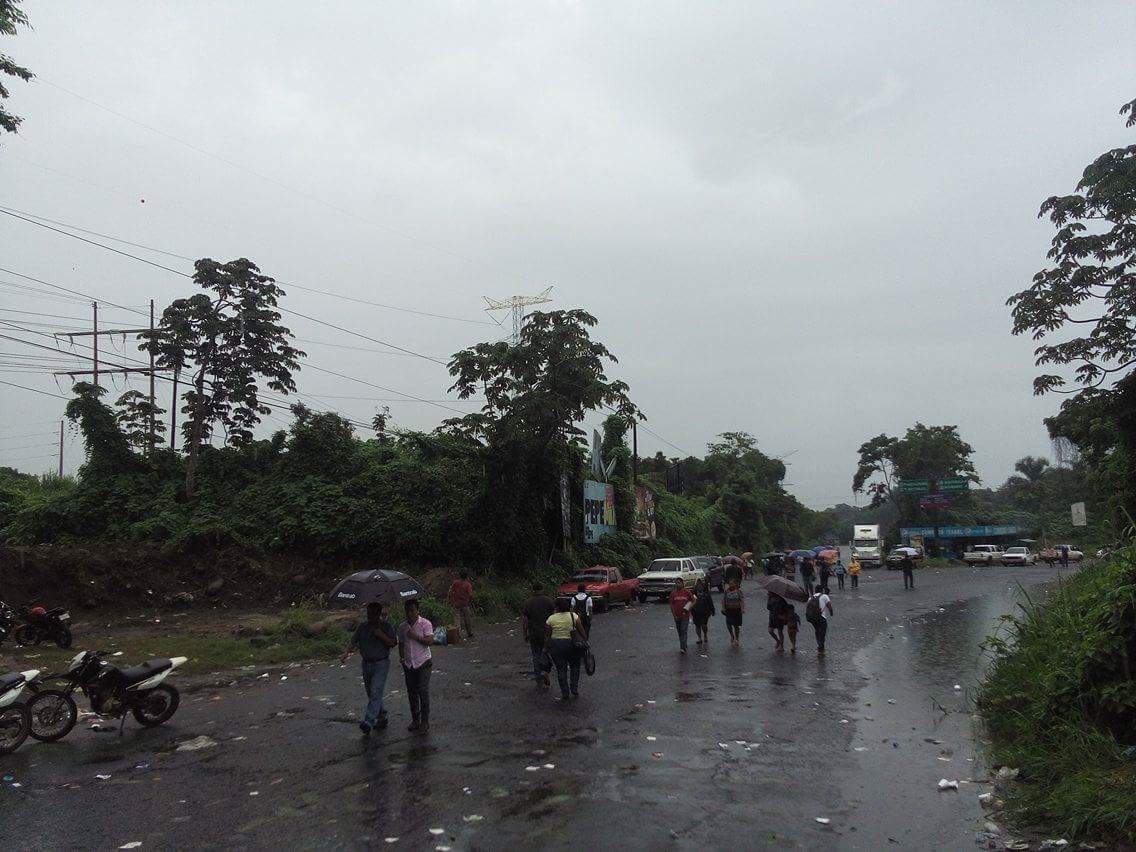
x: 1064, y: 556
x: 825, y: 572
x: 733, y: 607
x: 792, y: 624
x: 854, y: 572
x: 582, y: 605
x: 534, y: 620
x: 701, y: 611
x: 817, y: 612
x: 682, y: 601
x: 564, y: 631
x: 373, y: 639
x: 840, y: 571
x: 773, y: 605
x: 415, y: 636
x: 807, y: 574
x: 908, y: 566
x: 461, y: 599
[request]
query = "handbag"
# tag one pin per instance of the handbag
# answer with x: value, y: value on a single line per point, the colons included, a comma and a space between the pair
x: 589, y: 662
x: 578, y: 640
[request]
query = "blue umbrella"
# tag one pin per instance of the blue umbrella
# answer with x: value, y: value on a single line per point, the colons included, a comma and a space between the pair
x: 802, y: 554
x: 822, y: 548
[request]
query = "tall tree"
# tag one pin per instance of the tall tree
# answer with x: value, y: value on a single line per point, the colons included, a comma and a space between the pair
x: 134, y: 415
x: 876, y: 474
x: 1088, y: 295
x: 228, y: 337
x: 1031, y: 467
x: 11, y: 17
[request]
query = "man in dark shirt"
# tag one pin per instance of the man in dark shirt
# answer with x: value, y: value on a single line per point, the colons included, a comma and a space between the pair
x: 534, y: 616
x: 908, y: 566
x: 373, y: 638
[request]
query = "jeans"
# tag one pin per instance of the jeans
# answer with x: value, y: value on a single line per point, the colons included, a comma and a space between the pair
x: 821, y: 628
x: 840, y: 581
x: 374, y: 682
x: 418, y: 691
x: 807, y: 582
x: 855, y: 581
x: 466, y: 615
x: 908, y: 580
x: 538, y: 662
x: 682, y: 625
x: 566, y: 657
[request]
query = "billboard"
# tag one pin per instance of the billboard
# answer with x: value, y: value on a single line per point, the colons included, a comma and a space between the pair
x: 599, y: 510
x: 644, y: 512
x: 1079, y: 517
x: 990, y: 530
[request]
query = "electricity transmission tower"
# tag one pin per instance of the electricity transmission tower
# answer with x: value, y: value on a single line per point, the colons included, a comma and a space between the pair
x: 517, y: 305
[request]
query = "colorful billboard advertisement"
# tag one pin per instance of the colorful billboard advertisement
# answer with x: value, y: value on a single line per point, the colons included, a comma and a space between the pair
x: 599, y: 510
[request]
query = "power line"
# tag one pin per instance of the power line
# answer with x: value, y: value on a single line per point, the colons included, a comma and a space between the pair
x: 33, y: 390
x: 68, y: 289
x: 334, y: 295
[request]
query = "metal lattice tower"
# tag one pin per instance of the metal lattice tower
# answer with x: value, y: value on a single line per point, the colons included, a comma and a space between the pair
x: 517, y: 305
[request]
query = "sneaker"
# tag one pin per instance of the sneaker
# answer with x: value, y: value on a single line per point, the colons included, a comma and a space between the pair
x: 413, y: 726
x: 365, y: 728
x: 575, y: 694
x: 424, y: 728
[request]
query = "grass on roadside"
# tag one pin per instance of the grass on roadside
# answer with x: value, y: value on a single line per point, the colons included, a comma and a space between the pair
x: 1060, y: 705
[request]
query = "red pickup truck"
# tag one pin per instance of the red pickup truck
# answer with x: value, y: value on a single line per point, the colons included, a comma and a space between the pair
x: 605, y: 584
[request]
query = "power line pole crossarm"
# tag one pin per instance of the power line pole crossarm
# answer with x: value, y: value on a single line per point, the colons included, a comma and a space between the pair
x: 516, y: 305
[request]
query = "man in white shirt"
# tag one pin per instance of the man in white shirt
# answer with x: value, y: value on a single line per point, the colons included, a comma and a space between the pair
x: 817, y: 612
x: 582, y: 605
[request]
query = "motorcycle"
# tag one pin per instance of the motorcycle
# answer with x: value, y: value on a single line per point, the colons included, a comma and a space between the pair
x: 112, y: 692
x: 54, y: 624
x: 15, y: 720
x: 7, y: 621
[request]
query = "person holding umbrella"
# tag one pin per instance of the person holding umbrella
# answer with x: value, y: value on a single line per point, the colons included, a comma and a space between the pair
x: 373, y: 639
x: 908, y: 566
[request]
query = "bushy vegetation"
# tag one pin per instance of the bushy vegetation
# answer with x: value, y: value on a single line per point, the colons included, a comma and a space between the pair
x: 1060, y: 704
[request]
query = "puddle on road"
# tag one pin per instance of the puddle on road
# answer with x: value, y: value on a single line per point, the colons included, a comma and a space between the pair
x: 690, y: 696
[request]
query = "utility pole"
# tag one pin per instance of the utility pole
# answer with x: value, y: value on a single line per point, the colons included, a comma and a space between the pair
x: 634, y: 453
x: 174, y: 411
x: 516, y: 305
x: 153, y: 418
x: 60, y: 449
x: 95, y: 345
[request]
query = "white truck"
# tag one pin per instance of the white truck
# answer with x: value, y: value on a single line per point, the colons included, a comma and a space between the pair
x: 867, y: 546
x: 659, y: 578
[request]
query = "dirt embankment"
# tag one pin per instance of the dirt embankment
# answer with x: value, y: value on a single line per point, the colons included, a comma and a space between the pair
x: 119, y: 576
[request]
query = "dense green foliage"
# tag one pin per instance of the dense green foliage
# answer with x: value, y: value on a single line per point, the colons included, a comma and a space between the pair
x: 1088, y: 295
x: 11, y: 17
x: 1060, y: 704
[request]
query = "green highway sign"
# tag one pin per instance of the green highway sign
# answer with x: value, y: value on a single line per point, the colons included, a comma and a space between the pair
x: 954, y: 483
x: 914, y: 486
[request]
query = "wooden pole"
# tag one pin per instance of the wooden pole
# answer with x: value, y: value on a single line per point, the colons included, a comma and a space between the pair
x: 60, y: 449
x: 95, y: 344
x: 173, y: 411
x: 153, y: 416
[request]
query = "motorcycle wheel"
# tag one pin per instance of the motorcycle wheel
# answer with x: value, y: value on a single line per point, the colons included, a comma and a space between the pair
x: 14, y: 727
x: 26, y: 635
x: 63, y: 637
x: 157, y: 705
x: 53, y: 715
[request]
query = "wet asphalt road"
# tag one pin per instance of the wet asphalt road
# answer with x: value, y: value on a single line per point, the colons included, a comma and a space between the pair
x: 749, y: 746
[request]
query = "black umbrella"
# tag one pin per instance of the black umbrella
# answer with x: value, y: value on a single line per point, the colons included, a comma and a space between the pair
x: 787, y: 589
x: 385, y: 587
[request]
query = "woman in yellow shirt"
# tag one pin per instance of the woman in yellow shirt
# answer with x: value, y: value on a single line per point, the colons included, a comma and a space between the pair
x: 559, y: 642
x: 854, y: 572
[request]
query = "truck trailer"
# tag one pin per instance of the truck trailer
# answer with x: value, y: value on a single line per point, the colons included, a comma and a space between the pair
x: 867, y: 545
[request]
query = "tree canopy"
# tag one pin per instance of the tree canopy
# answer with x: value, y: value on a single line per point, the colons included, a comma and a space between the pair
x: 11, y: 17
x: 924, y: 452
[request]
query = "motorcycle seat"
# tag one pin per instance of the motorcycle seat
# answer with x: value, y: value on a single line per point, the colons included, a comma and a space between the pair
x: 8, y: 681
x: 134, y: 674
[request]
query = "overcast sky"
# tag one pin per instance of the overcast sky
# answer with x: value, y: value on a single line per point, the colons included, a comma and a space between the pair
x: 800, y: 220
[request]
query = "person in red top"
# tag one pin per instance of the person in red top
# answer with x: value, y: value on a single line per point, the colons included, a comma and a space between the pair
x: 682, y: 601
x: 461, y: 599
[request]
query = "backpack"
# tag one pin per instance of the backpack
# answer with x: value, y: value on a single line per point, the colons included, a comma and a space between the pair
x: 732, y: 601
x: 812, y: 610
x: 580, y: 605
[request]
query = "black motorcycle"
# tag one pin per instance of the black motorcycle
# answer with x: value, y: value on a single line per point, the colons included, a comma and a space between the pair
x: 40, y: 624
x: 112, y: 692
x: 7, y: 621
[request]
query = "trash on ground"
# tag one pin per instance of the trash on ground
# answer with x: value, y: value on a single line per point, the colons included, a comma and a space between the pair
x: 532, y: 768
x: 103, y: 777
x: 1007, y: 774
x: 473, y: 818
x: 133, y: 844
x: 1054, y: 844
x: 550, y: 766
x: 823, y: 820
x: 437, y: 831
x: 986, y: 799
x: 390, y: 840
x: 197, y: 743
x: 958, y: 688
x: 651, y: 739
x: 945, y: 784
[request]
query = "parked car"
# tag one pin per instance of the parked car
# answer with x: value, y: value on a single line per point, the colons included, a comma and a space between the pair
x: 605, y: 584
x: 659, y: 578
x: 1053, y: 555
x: 982, y: 554
x: 715, y: 570
x: 1019, y: 556
x: 895, y: 558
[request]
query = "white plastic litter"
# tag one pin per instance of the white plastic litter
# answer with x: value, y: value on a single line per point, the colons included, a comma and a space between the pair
x: 473, y: 818
x: 197, y: 743
x: 532, y: 769
x: 651, y: 739
x: 133, y: 844
x: 1007, y: 774
x: 437, y: 831
x: 986, y: 799
x: 1054, y: 844
x: 390, y: 840
x: 958, y: 688
x: 945, y: 784
x: 550, y: 766
x: 103, y: 777
x: 823, y: 820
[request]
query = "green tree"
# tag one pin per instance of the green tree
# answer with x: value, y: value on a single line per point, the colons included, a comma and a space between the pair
x: 135, y: 412
x: 876, y: 474
x: 1031, y: 467
x: 228, y: 337
x: 108, y: 450
x: 11, y: 17
x: 536, y: 393
x: 1088, y: 296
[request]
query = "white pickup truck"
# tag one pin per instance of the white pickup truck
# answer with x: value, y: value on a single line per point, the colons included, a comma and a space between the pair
x: 982, y: 554
x: 659, y: 578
